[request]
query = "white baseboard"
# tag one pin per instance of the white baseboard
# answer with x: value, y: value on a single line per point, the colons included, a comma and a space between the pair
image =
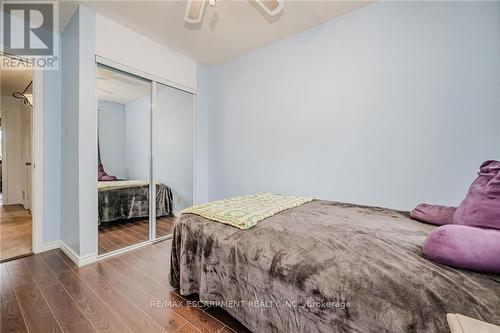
x: 50, y: 246
x: 79, y: 261
x: 88, y: 259
x: 69, y: 252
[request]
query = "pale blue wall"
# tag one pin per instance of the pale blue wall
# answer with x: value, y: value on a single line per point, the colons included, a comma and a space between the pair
x: 87, y: 134
x: 79, y: 135
x: 202, y: 118
x: 69, y: 150
x: 393, y: 104
x: 52, y: 118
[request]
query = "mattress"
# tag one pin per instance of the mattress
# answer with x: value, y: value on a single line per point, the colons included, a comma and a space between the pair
x: 327, y: 267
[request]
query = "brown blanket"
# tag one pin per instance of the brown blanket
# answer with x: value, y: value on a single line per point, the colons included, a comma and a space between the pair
x: 130, y: 202
x: 327, y: 267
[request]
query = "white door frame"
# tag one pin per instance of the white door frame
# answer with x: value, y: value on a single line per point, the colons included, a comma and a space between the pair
x: 37, y: 163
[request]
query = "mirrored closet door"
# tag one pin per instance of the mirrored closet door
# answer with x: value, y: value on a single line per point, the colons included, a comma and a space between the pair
x: 145, y: 136
x: 173, y: 151
x: 124, y: 164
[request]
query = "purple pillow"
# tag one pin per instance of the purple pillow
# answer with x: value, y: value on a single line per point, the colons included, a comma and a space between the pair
x: 481, y: 207
x: 467, y: 247
x: 434, y: 214
x: 103, y: 176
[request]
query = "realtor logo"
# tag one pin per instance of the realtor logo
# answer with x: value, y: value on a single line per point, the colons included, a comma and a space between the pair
x: 29, y: 32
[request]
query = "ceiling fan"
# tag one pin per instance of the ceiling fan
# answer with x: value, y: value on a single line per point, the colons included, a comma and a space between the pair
x: 195, y: 8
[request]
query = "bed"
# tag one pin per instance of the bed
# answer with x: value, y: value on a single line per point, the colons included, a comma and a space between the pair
x: 327, y: 267
x: 129, y: 199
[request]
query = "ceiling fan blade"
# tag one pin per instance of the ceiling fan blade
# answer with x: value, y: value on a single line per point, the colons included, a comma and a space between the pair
x: 272, y: 7
x: 194, y: 11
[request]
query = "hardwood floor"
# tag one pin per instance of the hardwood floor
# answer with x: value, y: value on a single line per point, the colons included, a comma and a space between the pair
x: 15, y: 232
x: 125, y: 293
x: 120, y: 234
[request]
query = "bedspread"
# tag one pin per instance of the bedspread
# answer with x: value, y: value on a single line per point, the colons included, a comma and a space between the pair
x: 327, y: 267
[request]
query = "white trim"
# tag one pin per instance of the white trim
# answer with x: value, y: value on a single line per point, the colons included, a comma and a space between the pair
x: 50, y: 246
x: 162, y: 238
x: 132, y: 247
x: 69, y: 252
x: 125, y: 249
x: 194, y: 150
x: 96, y: 181
x: 86, y: 260
x: 37, y: 169
x: 152, y: 165
x: 79, y: 261
x: 137, y: 72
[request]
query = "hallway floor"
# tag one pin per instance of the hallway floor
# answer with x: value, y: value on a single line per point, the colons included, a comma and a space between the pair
x: 15, y: 232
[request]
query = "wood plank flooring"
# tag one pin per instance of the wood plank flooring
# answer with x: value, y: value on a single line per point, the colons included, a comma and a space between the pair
x: 15, y: 232
x: 120, y: 234
x: 124, y: 293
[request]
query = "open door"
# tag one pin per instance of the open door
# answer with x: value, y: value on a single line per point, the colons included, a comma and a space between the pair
x: 27, y: 155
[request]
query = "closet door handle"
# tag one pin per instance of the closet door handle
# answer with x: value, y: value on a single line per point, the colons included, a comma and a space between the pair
x: 27, y: 163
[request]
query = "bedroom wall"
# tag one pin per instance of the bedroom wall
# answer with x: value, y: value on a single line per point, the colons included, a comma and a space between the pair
x: 79, y: 137
x: 391, y: 105
x: 112, y: 138
x: 87, y: 135
x: 52, y: 136
x: 202, y: 120
x: 69, y: 178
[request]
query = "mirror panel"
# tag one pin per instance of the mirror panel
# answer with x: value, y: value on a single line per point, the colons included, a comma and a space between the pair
x: 173, y: 155
x: 124, y: 146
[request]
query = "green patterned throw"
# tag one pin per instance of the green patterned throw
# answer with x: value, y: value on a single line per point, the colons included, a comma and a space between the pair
x: 245, y: 211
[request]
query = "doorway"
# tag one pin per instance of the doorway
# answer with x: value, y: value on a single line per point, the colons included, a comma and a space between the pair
x: 16, y: 156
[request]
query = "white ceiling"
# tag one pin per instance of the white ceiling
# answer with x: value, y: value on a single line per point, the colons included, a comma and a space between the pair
x: 229, y: 29
x: 14, y: 80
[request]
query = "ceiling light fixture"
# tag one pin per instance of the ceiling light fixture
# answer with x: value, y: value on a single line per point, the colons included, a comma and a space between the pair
x: 195, y: 8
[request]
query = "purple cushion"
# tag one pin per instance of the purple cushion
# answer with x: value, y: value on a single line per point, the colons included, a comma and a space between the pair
x: 103, y: 176
x: 467, y: 247
x: 107, y: 178
x: 481, y: 207
x: 434, y: 214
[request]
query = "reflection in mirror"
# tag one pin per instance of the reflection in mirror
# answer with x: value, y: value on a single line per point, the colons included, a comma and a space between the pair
x: 124, y: 109
x: 173, y: 153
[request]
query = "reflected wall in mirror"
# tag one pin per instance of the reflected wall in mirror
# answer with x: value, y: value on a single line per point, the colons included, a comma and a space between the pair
x: 124, y: 146
x: 173, y: 152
